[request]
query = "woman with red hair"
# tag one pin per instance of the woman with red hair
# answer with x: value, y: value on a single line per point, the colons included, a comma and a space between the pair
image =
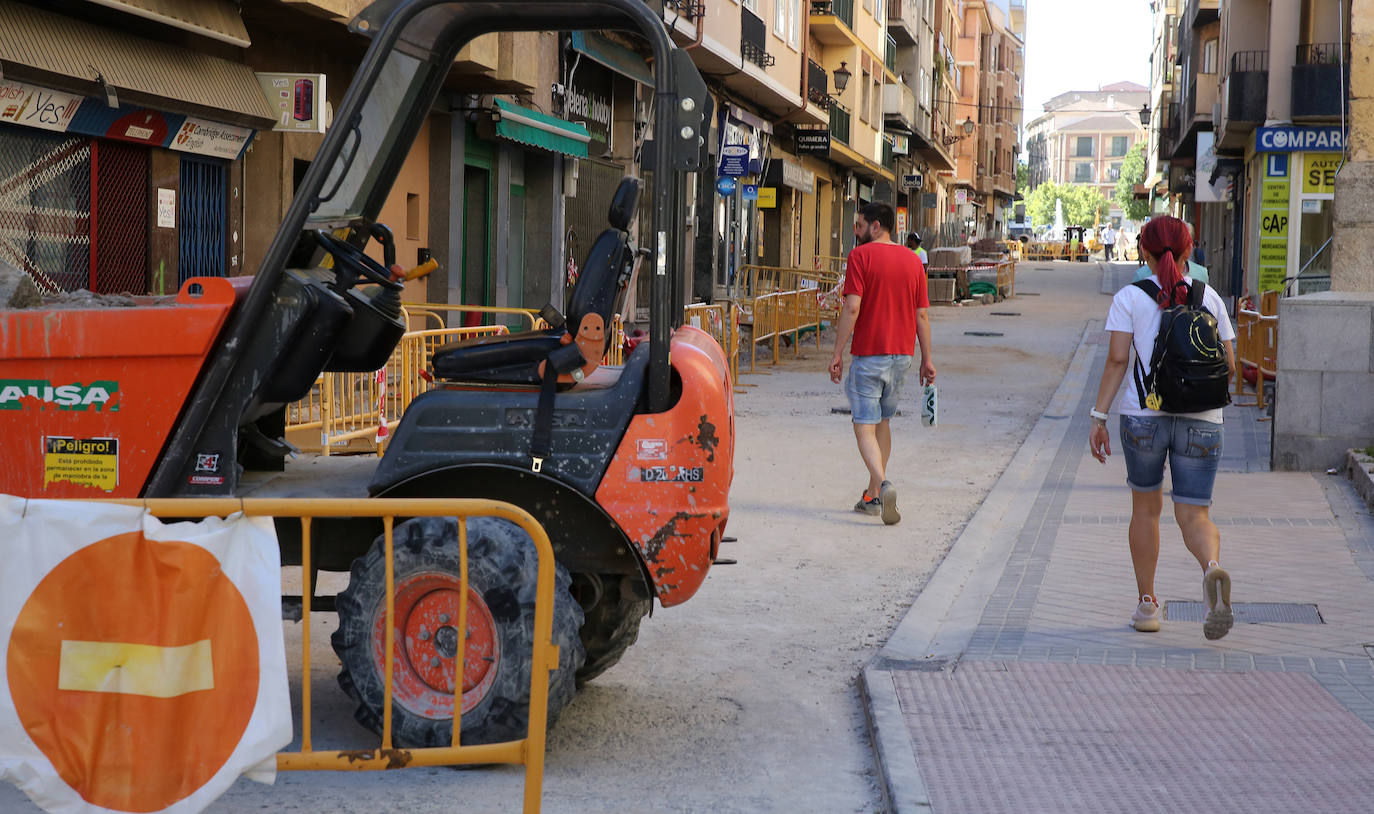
x: 1191, y: 442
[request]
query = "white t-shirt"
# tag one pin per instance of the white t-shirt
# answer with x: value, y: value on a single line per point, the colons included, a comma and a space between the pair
x: 1108, y: 236
x: 1135, y: 313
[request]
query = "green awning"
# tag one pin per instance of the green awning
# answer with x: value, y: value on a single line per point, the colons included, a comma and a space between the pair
x: 616, y: 57
x: 541, y: 130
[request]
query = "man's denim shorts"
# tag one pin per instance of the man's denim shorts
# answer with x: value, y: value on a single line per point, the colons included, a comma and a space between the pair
x: 1192, y: 446
x: 874, y: 384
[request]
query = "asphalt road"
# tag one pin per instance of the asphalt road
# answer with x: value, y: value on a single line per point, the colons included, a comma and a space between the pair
x: 744, y: 699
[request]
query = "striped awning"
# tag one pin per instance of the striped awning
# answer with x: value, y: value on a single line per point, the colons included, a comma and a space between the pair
x: 215, y: 19
x: 541, y: 130
x: 67, y: 54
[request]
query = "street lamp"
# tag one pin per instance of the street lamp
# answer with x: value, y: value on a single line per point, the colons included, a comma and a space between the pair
x: 968, y: 126
x: 842, y: 75
x: 1144, y: 115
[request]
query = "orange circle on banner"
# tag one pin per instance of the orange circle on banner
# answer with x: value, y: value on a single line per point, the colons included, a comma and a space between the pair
x: 141, y: 739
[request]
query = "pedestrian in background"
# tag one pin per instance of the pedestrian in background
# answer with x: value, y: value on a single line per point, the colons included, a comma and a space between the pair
x: 1108, y: 242
x: 887, y: 311
x: 1191, y: 442
x: 913, y: 242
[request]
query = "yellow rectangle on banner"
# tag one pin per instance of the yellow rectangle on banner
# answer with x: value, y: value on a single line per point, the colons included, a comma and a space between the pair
x: 136, y: 669
x: 1319, y: 173
x: 768, y: 198
x: 1274, y: 194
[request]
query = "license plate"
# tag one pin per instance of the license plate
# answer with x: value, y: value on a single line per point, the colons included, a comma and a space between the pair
x: 672, y: 474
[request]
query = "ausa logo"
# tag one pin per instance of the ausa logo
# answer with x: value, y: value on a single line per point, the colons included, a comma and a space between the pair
x: 99, y: 396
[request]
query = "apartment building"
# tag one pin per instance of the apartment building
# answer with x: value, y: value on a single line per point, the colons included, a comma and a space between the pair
x: 1083, y: 138
x: 1251, y: 130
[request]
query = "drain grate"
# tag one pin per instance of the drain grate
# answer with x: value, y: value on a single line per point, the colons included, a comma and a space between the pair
x: 982, y: 333
x: 1287, y: 613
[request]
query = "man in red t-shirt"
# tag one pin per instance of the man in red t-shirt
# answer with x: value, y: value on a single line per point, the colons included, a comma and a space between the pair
x: 887, y: 310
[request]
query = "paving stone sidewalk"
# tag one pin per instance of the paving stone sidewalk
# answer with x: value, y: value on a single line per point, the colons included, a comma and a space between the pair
x: 1017, y: 685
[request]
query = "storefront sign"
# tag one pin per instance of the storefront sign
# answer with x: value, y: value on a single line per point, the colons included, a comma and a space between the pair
x: 913, y: 180
x: 33, y: 106
x: 726, y: 185
x: 798, y: 177
x: 1295, y: 139
x: 750, y: 192
x: 1319, y: 173
x: 211, y: 138
x: 813, y: 142
x: 297, y: 99
x: 1205, y: 191
x: 591, y: 100
x: 960, y: 197
x: 1273, y: 244
x: 901, y: 220
x: 768, y: 198
x: 734, y: 160
x: 166, y: 208
x: 1312, y: 207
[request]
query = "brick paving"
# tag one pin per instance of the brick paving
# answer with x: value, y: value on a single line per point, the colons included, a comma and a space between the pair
x: 1056, y: 704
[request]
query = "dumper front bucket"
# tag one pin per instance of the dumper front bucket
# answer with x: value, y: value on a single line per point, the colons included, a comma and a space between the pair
x: 89, y: 394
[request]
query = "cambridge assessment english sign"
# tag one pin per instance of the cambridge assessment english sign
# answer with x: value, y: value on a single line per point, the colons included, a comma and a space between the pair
x: 1297, y: 139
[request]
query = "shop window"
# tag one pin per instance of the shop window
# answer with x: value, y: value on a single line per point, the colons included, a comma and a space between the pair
x: 1083, y: 147
x: 1082, y: 173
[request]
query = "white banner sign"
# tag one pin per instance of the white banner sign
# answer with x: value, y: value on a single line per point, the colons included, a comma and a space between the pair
x: 33, y: 106
x: 143, y: 665
x: 211, y: 138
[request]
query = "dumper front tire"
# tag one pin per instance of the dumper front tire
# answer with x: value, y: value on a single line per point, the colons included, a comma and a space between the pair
x: 502, y: 571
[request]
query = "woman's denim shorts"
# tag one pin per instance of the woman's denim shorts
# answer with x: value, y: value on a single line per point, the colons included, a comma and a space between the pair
x: 1192, y: 446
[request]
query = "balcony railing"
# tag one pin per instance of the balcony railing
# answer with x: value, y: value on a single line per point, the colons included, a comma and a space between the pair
x: 843, y: 9
x: 903, y: 19
x: 839, y: 124
x: 899, y: 105
x: 754, y: 38
x: 687, y: 9
x: 890, y: 54
x: 817, y: 85
x: 1247, y: 91
x: 1321, y: 72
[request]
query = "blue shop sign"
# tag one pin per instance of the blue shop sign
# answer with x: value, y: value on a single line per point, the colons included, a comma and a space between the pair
x: 725, y: 186
x: 734, y: 160
x: 1294, y: 139
x: 751, y: 192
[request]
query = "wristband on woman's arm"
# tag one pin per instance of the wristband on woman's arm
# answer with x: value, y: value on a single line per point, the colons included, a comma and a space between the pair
x: 1097, y: 414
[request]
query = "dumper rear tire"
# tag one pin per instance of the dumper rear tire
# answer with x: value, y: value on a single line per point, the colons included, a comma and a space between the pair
x: 502, y: 570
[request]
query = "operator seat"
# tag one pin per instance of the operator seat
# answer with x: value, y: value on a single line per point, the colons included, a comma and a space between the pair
x: 516, y: 358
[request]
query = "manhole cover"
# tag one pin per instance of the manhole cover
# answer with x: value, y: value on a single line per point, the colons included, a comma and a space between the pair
x: 982, y: 333
x: 1005, y: 313
x: 1288, y: 613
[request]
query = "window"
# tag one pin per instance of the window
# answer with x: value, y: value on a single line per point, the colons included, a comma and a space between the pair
x: 780, y: 18
x: 1083, y: 173
x: 793, y: 26
x: 1083, y: 148
x: 924, y: 84
x: 1114, y: 174
x: 877, y: 100
x: 864, y: 91
x: 1119, y: 146
x: 1209, y: 56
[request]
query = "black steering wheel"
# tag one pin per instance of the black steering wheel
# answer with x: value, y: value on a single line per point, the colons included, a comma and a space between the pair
x: 348, y: 257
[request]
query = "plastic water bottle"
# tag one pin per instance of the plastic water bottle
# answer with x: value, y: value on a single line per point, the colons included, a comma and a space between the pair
x: 929, y: 406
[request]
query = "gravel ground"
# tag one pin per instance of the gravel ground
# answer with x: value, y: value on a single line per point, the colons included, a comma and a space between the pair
x: 744, y: 699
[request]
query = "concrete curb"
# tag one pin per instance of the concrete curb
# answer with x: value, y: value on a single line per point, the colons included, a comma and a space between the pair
x: 937, y: 627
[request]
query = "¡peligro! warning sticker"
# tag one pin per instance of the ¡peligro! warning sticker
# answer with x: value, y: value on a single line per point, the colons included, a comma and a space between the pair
x: 82, y: 461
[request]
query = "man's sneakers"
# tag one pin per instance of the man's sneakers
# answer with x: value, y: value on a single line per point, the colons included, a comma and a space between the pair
x: 1216, y: 597
x: 884, y: 505
x: 887, y: 497
x: 1147, y: 615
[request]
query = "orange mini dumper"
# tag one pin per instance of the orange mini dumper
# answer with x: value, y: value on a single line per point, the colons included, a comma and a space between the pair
x: 627, y: 468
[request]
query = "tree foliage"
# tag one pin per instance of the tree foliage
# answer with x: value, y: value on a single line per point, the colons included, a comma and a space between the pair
x: 1132, y: 173
x: 1084, y: 205
x: 1022, y: 179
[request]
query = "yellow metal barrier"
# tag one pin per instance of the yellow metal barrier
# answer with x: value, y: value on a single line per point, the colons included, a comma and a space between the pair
x: 1257, y: 347
x: 528, y: 751
x: 721, y: 321
x: 432, y: 313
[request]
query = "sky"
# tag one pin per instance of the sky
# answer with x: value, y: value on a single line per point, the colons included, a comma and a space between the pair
x: 1082, y: 45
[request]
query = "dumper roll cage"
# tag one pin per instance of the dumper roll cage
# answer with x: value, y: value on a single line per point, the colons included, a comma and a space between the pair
x: 414, y: 44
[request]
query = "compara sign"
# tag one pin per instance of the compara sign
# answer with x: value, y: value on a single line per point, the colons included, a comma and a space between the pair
x: 1294, y: 139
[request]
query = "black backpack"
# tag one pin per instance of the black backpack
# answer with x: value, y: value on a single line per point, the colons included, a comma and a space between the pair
x: 1188, y: 368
